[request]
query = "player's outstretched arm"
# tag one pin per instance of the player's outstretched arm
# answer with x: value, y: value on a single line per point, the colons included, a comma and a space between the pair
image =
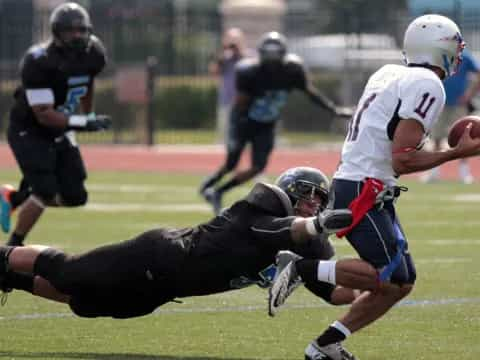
x: 320, y: 99
x: 408, y: 157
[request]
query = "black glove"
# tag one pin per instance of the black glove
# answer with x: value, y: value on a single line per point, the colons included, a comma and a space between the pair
x: 90, y: 122
x: 333, y: 220
x: 98, y: 123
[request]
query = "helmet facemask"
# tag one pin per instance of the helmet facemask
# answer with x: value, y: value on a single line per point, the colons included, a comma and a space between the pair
x: 308, y: 199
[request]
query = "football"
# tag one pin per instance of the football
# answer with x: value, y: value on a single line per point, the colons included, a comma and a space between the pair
x: 458, y: 127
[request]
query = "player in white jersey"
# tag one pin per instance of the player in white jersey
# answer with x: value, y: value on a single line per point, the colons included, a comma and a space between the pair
x: 398, y: 108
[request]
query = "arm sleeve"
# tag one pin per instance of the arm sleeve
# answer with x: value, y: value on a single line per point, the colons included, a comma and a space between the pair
x: 99, y: 56
x: 273, y: 231
x: 318, y: 247
x: 32, y: 74
x: 243, y: 81
x: 301, y: 77
x: 422, y: 100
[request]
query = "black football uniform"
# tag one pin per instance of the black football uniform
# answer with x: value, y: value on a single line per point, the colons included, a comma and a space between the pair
x: 49, y: 160
x: 47, y: 66
x: 132, y: 278
x: 268, y: 91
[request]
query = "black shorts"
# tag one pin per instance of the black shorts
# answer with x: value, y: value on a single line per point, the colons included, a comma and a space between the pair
x: 127, y: 279
x: 48, y: 166
x: 260, y: 135
x: 378, y: 238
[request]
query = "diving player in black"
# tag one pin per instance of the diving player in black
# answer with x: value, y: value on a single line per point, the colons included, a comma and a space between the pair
x: 57, y: 78
x: 233, y: 250
x: 263, y: 85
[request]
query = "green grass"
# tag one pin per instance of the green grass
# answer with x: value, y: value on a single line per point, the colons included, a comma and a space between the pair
x: 441, y: 226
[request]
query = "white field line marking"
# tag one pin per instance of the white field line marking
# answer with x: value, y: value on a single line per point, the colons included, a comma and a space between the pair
x: 467, y: 197
x: 244, y: 308
x: 124, y: 207
x: 138, y: 188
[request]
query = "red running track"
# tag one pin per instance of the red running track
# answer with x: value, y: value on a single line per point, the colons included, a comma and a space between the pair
x: 205, y: 159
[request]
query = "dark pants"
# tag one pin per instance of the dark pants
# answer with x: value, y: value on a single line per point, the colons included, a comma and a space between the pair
x: 50, y: 167
x: 260, y: 135
x: 126, y: 279
x: 378, y: 238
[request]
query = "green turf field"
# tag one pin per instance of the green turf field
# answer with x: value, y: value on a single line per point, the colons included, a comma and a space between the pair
x: 440, y: 320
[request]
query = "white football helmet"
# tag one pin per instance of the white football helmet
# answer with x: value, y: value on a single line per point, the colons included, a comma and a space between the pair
x: 434, y: 40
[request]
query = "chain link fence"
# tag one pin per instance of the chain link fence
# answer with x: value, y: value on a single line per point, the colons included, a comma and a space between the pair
x: 341, y: 49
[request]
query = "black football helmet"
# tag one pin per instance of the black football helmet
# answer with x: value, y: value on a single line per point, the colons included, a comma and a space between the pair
x: 272, y: 47
x: 69, y: 17
x: 302, y: 183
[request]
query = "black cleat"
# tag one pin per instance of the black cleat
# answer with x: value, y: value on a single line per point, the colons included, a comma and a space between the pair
x: 285, y: 282
x: 214, y: 198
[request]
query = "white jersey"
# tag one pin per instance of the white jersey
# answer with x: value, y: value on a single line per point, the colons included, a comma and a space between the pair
x: 392, y: 93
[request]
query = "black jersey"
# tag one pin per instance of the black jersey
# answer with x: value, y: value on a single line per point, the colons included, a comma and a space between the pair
x: 267, y: 87
x: 238, y: 247
x: 47, y: 66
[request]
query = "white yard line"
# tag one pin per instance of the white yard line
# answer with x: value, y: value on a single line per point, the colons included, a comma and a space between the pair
x: 245, y: 308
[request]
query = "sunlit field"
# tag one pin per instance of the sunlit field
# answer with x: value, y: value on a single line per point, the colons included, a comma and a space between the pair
x: 440, y: 320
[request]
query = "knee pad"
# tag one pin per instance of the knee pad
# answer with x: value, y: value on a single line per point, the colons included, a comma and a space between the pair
x: 78, y: 198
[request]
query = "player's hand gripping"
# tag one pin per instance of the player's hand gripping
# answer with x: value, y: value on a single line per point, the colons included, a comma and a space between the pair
x: 467, y: 146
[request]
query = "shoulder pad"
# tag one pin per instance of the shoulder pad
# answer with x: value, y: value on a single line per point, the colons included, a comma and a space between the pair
x: 37, y: 51
x: 246, y: 64
x: 271, y: 199
x: 97, y: 45
x: 293, y: 59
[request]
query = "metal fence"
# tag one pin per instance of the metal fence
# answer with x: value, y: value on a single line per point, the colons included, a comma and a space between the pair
x: 183, y: 38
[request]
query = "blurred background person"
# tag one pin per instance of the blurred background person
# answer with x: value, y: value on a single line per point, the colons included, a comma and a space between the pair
x: 223, y: 66
x: 57, y: 80
x: 460, y: 90
x: 263, y: 85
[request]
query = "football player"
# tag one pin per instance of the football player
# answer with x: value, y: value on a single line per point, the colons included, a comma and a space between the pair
x: 398, y: 108
x: 263, y: 84
x: 233, y: 250
x: 57, y: 80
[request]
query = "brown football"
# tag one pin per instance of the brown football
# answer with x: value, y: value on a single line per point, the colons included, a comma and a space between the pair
x: 458, y: 127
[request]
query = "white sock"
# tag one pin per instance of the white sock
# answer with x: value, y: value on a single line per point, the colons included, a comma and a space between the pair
x: 326, y: 271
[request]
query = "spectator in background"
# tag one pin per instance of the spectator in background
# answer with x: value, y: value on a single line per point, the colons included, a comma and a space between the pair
x: 460, y: 89
x: 233, y: 49
x: 263, y: 85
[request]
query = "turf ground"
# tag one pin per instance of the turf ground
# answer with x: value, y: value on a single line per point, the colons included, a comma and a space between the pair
x: 440, y: 320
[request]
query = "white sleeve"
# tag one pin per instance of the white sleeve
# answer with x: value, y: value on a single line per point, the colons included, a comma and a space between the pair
x: 422, y: 100
x: 40, y: 96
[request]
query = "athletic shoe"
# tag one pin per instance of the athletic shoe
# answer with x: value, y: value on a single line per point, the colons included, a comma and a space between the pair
x: 214, y: 198
x: 285, y: 282
x: 329, y: 352
x: 5, y: 207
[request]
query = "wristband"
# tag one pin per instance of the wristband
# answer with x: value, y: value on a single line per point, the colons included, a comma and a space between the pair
x: 313, y: 226
x: 77, y: 120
